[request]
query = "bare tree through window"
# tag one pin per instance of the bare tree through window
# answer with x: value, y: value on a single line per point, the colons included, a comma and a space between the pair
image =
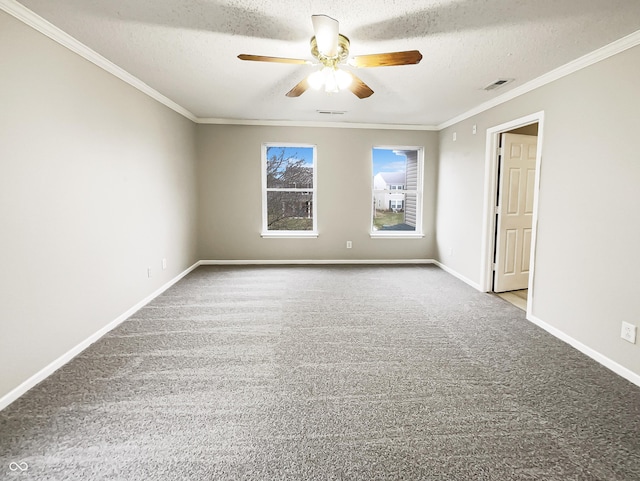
x: 289, y: 173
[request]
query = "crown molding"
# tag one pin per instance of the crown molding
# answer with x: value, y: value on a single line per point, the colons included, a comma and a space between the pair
x: 335, y: 125
x: 596, y: 56
x: 38, y: 23
x: 17, y: 10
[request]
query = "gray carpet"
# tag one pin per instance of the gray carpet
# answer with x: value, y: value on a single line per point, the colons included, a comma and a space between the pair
x: 326, y: 372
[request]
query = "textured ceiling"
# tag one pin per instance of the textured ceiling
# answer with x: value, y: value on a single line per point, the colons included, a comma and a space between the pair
x: 187, y: 50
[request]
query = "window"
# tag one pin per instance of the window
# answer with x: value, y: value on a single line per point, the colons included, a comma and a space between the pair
x: 289, y: 190
x: 396, y: 205
x: 397, y: 192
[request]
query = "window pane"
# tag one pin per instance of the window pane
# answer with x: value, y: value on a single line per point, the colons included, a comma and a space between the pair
x: 397, y: 214
x: 289, y: 210
x: 394, y: 173
x: 290, y: 167
x: 394, y: 212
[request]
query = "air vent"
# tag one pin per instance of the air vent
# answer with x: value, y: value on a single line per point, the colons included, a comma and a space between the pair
x: 332, y: 112
x: 498, y: 83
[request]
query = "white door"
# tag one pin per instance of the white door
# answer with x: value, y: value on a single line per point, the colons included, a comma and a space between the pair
x: 515, y: 212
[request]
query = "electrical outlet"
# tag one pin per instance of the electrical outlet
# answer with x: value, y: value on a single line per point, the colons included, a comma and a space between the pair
x: 628, y: 332
x: 164, y: 264
x: 474, y: 130
x: 148, y: 271
x: 349, y: 244
x: 455, y: 136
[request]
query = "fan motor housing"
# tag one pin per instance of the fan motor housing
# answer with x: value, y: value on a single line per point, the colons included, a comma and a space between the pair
x: 341, y: 56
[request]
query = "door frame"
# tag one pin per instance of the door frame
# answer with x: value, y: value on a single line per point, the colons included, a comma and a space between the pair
x: 491, y: 199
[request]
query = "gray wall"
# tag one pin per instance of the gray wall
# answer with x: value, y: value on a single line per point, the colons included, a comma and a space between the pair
x: 96, y: 184
x: 231, y: 194
x: 586, y: 280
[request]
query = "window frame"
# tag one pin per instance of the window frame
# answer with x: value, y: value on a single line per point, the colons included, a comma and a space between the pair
x: 313, y: 233
x: 419, y: 192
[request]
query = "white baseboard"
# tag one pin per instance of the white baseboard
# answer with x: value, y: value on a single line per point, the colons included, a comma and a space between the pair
x: 284, y: 262
x: 69, y: 355
x: 73, y: 352
x: 586, y: 350
x: 464, y: 279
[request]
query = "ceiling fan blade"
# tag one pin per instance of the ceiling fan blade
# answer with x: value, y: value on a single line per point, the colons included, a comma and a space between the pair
x: 299, y: 89
x: 410, y: 57
x: 359, y: 88
x: 326, y: 30
x: 261, y: 58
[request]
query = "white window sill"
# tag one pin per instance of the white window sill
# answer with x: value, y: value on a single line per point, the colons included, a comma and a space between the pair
x: 290, y: 234
x: 396, y: 235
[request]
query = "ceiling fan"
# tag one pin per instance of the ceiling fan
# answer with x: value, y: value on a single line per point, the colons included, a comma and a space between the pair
x: 331, y: 49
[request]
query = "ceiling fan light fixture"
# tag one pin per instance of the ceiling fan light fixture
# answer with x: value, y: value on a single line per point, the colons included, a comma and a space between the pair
x: 316, y: 80
x: 330, y: 79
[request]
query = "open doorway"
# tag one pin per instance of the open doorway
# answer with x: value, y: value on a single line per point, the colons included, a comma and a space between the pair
x: 514, y: 214
x: 511, y: 188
